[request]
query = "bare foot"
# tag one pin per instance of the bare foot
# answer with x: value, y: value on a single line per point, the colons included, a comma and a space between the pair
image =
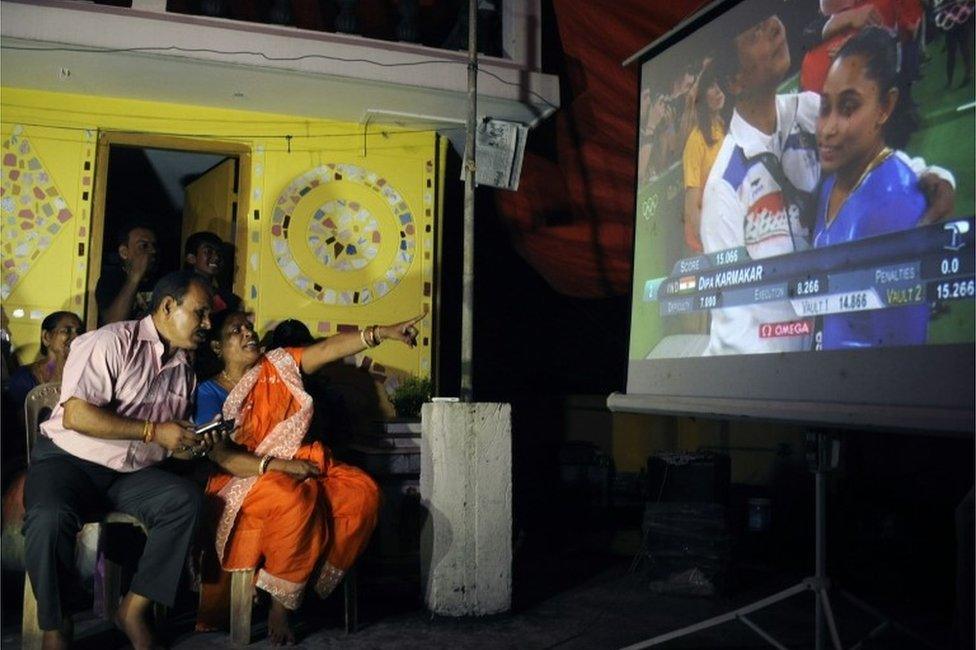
x: 59, y: 639
x: 131, y: 618
x: 279, y: 631
x: 54, y: 640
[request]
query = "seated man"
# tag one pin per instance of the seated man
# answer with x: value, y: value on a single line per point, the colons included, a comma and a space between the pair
x: 125, y: 393
x: 123, y: 291
x: 203, y: 254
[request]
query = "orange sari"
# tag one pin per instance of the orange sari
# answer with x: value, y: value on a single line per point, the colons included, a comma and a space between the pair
x: 286, y: 528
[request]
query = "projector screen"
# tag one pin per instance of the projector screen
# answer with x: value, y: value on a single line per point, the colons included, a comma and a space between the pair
x: 804, y: 233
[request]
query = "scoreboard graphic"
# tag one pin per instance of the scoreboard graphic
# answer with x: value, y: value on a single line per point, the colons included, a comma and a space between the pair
x: 924, y: 265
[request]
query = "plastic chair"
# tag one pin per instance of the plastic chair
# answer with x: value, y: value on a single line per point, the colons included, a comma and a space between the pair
x: 40, y: 401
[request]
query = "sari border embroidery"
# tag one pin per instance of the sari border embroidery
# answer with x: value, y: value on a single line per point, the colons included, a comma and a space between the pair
x: 286, y: 592
x: 329, y: 578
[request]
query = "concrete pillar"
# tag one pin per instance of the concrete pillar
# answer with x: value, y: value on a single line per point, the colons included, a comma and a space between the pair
x: 466, y: 489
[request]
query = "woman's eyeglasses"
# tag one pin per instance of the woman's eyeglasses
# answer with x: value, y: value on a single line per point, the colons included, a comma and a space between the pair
x: 68, y: 331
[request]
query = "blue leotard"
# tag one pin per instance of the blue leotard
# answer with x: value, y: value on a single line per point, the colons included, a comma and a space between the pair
x: 887, y: 200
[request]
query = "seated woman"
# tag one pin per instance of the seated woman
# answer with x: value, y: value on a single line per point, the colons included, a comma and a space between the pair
x: 58, y: 330
x: 288, y: 508
x: 868, y: 189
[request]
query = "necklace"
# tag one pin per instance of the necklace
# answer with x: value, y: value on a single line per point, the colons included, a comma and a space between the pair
x: 877, y: 160
x: 230, y: 382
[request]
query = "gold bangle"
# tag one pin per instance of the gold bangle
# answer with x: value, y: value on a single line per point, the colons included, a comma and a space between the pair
x: 148, y: 431
x: 362, y: 336
x: 263, y: 465
x: 373, y: 335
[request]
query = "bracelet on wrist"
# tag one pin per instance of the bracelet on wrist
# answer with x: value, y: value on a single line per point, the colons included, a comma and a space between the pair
x: 148, y: 431
x: 374, y: 329
x: 263, y: 465
x: 369, y: 336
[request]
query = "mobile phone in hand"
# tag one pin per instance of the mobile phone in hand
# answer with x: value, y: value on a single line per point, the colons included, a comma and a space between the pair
x: 217, y: 426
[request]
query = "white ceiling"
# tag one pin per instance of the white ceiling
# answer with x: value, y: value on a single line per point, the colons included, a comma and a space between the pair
x: 172, y: 166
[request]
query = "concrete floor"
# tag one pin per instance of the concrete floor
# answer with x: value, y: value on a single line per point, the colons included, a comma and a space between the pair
x: 604, y: 607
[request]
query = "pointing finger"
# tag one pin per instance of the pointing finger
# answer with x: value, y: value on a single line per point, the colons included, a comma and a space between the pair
x: 413, y: 321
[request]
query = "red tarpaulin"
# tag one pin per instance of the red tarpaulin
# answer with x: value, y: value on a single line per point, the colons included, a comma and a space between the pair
x: 572, y: 217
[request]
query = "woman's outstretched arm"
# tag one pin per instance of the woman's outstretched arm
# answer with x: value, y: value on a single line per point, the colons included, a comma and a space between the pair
x: 348, y: 343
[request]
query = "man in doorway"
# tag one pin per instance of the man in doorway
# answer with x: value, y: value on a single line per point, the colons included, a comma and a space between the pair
x: 124, y: 291
x: 204, y: 254
x: 125, y: 398
x: 759, y: 194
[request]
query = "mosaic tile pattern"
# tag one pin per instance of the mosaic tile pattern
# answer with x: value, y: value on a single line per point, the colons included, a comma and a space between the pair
x: 82, y: 219
x: 331, y: 231
x: 344, y: 236
x: 427, y: 267
x: 31, y: 207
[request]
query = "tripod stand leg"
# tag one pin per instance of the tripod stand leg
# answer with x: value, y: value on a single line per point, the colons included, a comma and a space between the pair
x: 761, y: 632
x: 735, y: 614
x: 818, y: 621
x: 879, y: 615
x: 873, y: 634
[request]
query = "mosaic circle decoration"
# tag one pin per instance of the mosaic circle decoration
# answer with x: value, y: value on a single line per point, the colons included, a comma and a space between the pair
x: 342, y: 235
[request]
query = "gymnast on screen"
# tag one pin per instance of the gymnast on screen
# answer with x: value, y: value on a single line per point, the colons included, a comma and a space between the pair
x: 868, y: 188
x: 763, y: 185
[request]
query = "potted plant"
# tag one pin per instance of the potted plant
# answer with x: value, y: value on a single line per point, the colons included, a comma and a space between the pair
x: 410, y: 395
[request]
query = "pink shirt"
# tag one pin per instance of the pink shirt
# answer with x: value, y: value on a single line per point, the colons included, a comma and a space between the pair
x: 120, y: 367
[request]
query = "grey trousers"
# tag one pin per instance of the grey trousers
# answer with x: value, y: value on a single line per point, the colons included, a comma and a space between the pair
x: 64, y: 491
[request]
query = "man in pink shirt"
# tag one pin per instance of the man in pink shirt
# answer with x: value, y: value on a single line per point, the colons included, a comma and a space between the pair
x: 125, y: 399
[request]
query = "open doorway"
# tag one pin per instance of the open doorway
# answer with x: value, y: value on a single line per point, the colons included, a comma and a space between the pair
x: 176, y: 186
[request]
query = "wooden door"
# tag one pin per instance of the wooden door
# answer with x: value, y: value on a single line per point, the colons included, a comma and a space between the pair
x: 210, y: 202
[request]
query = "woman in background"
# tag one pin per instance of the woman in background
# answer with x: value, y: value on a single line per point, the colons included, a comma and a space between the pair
x: 58, y: 330
x: 701, y: 148
x: 868, y: 189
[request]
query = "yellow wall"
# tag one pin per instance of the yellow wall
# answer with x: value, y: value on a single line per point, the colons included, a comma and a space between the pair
x: 62, y: 133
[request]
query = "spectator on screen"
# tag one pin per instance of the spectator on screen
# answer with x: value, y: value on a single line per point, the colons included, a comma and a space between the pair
x: 955, y: 18
x: 845, y: 18
x: 701, y: 148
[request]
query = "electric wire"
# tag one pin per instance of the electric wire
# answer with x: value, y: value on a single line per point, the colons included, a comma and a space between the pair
x: 219, y: 136
x: 302, y: 57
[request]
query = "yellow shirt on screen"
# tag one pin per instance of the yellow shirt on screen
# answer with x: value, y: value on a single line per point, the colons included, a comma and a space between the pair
x: 698, y: 157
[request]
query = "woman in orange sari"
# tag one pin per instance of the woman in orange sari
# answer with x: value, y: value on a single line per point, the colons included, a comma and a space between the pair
x: 287, y: 508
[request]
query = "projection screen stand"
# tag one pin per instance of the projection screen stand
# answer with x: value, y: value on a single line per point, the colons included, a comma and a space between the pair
x: 818, y: 583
